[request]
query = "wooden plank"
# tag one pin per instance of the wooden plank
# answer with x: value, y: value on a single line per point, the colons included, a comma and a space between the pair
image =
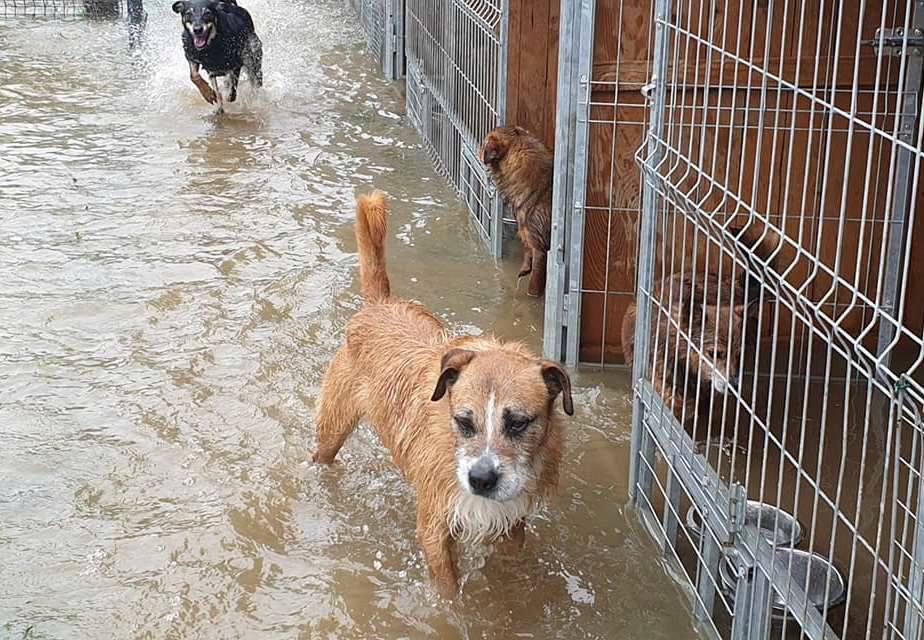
x: 551, y: 84
x: 728, y: 73
x: 514, y: 51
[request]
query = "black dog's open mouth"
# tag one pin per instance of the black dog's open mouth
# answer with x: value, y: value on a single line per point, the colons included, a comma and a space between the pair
x: 200, y: 40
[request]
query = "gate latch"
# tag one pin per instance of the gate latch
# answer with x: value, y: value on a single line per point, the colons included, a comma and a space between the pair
x: 891, y: 41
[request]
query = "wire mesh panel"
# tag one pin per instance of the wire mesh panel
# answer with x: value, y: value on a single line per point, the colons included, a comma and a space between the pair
x: 601, y: 123
x: 777, y: 337
x: 456, y: 88
x: 62, y: 8
x: 383, y: 25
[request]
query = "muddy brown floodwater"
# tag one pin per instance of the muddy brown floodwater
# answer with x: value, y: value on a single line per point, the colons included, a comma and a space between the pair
x: 174, y: 284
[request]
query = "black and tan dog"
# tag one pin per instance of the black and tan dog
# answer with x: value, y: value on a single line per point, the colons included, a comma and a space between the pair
x: 522, y: 168
x: 220, y: 38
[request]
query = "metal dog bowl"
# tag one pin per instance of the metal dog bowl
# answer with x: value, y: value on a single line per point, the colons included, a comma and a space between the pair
x: 775, y: 525
x: 822, y: 576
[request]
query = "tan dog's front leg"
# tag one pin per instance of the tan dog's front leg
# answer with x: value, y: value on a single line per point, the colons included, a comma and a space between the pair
x: 210, y: 96
x: 512, y: 543
x: 438, y: 548
x: 537, y: 276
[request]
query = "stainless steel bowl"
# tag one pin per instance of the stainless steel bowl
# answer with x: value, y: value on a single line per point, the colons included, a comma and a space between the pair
x: 775, y: 525
x: 822, y: 575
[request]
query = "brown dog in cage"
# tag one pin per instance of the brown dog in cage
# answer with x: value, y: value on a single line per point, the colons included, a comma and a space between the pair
x: 470, y: 421
x: 705, y: 353
x: 522, y: 168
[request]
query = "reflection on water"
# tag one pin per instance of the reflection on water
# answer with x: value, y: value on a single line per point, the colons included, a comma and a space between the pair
x: 174, y: 284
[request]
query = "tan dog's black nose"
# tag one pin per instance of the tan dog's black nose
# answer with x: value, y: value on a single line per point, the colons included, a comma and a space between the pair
x: 483, y: 478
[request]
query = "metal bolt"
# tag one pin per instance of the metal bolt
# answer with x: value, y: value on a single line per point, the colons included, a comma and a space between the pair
x: 899, y: 32
x: 918, y: 32
x: 583, y: 78
x: 578, y: 205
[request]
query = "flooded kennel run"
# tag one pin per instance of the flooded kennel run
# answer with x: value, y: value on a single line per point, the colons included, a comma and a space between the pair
x: 771, y: 152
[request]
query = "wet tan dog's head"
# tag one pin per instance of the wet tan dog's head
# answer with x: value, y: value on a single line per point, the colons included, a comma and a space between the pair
x: 718, y: 331
x: 498, y: 143
x: 502, y: 407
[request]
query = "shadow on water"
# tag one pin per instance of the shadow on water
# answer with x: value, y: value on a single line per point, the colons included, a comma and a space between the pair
x: 175, y: 283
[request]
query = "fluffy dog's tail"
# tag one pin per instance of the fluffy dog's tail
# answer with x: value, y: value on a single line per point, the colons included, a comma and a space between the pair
x: 371, y: 226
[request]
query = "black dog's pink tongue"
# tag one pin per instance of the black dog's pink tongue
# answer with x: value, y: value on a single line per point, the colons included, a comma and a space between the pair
x: 199, y: 41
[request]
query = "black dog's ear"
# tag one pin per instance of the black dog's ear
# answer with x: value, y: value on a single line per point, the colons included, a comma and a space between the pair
x: 557, y: 381
x: 452, y: 363
x: 180, y: 6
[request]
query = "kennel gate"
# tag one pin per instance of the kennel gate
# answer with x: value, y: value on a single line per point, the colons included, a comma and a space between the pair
x: 796, y: 117
x: 600, y: 122
x: 456, y: 52
x: 59, y: 9
x: 382, y: 22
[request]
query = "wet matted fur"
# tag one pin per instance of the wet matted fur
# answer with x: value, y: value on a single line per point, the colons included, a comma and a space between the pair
x: 712, y: 319
x: 522, y: 168
x: 470, y: 421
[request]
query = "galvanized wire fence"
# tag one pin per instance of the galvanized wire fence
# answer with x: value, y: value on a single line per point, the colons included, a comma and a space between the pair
x: 779, y: 334
x: 382, y: 22
x: 62, y: 8
x: 456, y: 52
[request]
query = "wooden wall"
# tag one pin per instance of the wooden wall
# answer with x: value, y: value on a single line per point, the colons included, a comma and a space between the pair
x: 532, y: 66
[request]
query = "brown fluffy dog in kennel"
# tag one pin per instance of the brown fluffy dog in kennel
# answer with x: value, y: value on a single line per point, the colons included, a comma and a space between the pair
x: 714, y: 325
x: 522, y: 168
x: 470, y: 421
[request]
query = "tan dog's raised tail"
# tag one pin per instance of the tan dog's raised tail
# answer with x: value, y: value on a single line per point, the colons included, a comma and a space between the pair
x: 470, y: 421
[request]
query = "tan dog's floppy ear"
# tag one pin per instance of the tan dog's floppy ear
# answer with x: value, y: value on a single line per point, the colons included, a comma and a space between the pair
x: 180, y: 6
x: 452, y: 363
x: 557, y: 382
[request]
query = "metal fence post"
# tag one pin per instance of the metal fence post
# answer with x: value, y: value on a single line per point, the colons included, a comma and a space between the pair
x: 556, y: 291
x: 639, y: 474
x: 497, y: 210
x: 581, y: 146
x: 904, y: 173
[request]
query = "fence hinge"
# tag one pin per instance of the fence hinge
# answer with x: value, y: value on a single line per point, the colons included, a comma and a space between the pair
x: 737, y: 508
x: 892, y: 41
x: 565, y: 301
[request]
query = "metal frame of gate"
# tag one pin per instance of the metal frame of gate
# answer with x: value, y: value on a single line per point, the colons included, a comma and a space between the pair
x: 456, y: 52
x: 825, y: 422
x: 382, y: 22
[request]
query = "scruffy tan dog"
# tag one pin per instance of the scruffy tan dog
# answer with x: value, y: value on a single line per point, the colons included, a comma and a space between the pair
x: 470, y: 421
x: 713, y: 325
x: 522, y: 168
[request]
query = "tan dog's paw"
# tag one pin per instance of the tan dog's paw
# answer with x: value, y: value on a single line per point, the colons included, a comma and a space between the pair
x: 322, y: 457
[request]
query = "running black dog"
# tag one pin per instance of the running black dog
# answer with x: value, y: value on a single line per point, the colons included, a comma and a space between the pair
x: 219, y: 36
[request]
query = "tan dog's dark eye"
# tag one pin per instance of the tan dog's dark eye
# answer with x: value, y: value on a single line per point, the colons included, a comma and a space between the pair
x: 465, y: 425
x: 515, y: 425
